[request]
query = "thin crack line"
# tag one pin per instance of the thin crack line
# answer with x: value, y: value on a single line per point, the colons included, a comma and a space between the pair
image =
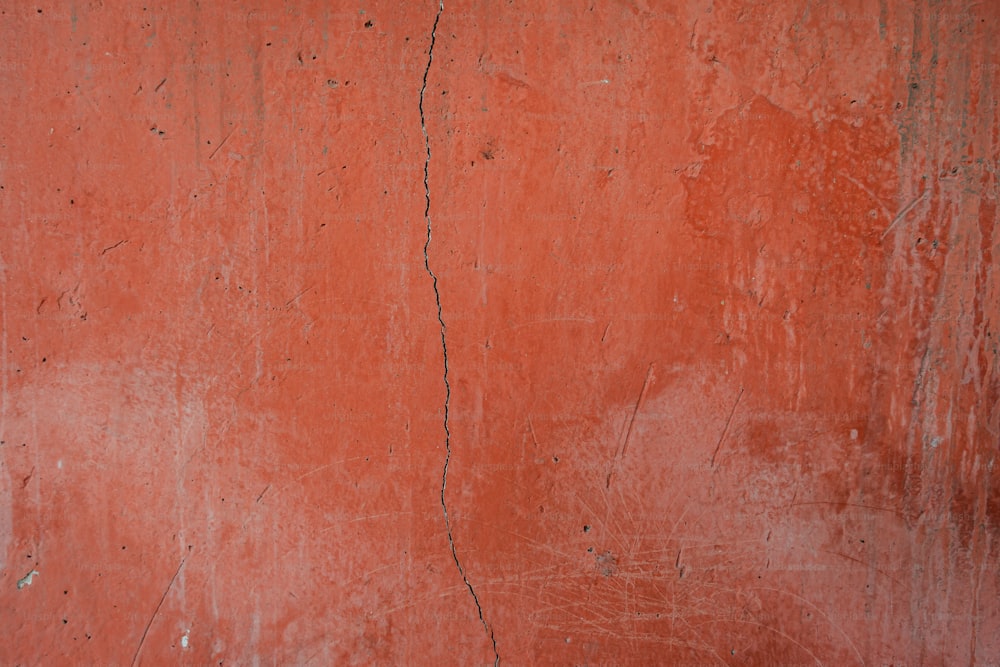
x: 142, y: 640
x: 444, y: 342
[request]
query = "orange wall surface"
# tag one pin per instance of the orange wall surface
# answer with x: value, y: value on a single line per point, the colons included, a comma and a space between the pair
x: 602, y: 332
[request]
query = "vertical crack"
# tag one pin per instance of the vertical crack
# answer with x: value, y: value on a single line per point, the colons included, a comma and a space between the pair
x: 444, y: 342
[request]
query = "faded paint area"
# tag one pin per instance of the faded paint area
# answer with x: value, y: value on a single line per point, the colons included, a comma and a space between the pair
x: 574, y: 333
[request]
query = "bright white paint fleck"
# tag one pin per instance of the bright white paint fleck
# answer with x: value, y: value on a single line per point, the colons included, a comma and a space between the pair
x: 26, y: 579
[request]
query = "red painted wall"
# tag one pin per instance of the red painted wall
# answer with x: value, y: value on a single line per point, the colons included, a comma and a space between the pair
x: 542, y: 333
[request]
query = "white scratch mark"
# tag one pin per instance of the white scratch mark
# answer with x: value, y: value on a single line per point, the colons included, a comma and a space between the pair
x: 620, y: 455
x: 862, y: 186
x: 725, y: 430
x: 899, y: 216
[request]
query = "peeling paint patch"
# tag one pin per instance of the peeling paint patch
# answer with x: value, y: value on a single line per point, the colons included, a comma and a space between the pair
x: 26, y: 579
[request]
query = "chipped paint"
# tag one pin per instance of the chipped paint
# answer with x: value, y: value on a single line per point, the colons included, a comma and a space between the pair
x: 26, y: 579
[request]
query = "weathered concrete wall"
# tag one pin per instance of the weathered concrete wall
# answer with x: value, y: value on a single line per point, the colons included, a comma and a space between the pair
x: 548, y: 333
